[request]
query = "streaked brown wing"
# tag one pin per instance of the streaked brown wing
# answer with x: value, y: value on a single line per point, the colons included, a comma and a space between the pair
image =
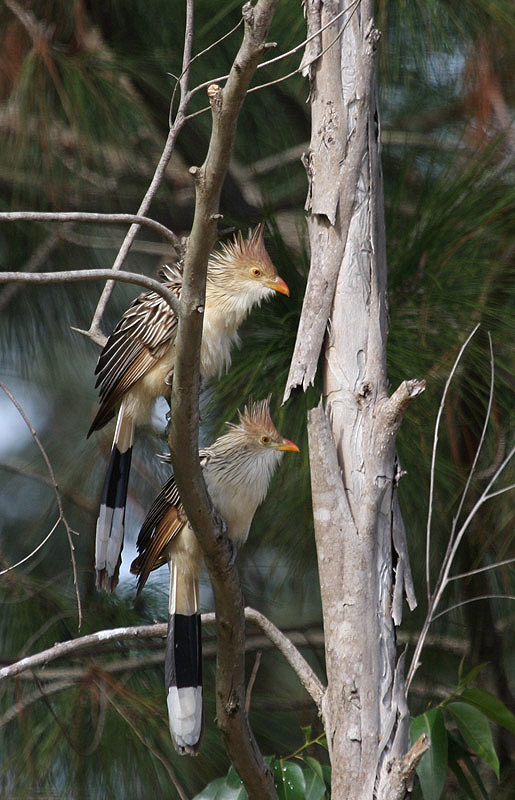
x: 144, y: 334
x: 163, y: 522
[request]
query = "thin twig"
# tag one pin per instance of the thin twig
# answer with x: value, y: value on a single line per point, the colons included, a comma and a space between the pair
x: 135, y: 220
x: 433, y: 459
x: 282, y: 56
x: 150, y: 748
x: 62, y: 516
x: 70, y: 276
x: 252, y: 680
x: 294, y: 72
x: 37, y: 30
x: 481, y: 440
x: 500, y: 491
x: 315, y: 58
x: 36, y: 549
x: 453, y: 545
x: 483, y: 497
x: 481, y: 569
x: 198, y: 55
x: 473, y: 600
x: 304, y: 672
x: 34, y: 263
x: 155, y: 183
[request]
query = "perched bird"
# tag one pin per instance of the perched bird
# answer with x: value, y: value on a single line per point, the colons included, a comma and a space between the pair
x: 237, y: 470
x: 136, y: 367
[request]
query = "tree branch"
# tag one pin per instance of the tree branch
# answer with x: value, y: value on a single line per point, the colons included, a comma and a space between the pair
x: 173, y: 133
x: 401, y: 771
x: 433, y: 458
x: 71, y: 276
x: 230, y: 689
x: 136, y: 220
x: 62, y: 516
x: 34, y: 263
x: 455, y: 538
x: 307, y: 677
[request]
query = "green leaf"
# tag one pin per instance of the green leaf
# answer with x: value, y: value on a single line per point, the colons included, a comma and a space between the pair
x: 234, y: 781
x: 314, y: 777
x: 306, y: 730
x: 289, y: 780
x: 491, y: 706
x: 432, y: 768
x: 472, y: 675
x: 327, y: 776
x: 457, y: 754
x: 315, y: 765
x: 475, y: 729
x: 219, y: 790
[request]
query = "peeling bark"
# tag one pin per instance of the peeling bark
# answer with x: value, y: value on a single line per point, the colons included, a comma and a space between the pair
x: 354, y: 467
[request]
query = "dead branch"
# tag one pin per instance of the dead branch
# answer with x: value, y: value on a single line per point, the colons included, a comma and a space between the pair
x: 62, y: 516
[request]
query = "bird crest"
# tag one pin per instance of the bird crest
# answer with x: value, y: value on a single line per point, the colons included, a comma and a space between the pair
x: 256, y: 419
x: 243, y: 252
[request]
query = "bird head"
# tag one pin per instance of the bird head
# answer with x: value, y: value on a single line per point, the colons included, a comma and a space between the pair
x: 243, y: 265
x: 259, y: 431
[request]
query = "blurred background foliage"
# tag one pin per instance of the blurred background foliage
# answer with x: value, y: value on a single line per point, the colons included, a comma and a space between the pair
x: 85, y: 91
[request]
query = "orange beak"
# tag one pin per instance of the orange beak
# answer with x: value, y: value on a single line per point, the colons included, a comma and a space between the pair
x: 279, y: 286
x: 289, y: 446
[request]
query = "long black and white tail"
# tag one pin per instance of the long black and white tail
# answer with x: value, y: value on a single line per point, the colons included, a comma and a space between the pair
x: 111, y: 516
x: 183, y: 662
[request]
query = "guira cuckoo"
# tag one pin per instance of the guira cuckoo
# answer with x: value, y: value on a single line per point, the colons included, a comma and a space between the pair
x: 237, y: 470
x: 136, y: 367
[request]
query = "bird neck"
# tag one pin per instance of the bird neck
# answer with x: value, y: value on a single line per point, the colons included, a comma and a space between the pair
x: 228, y: 305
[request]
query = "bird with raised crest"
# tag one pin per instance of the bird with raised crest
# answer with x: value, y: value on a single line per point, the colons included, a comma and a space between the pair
x: 136, y: 367
x: 237, y: 470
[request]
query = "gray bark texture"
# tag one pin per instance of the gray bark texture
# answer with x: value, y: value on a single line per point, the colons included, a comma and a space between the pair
x: 354, y: 469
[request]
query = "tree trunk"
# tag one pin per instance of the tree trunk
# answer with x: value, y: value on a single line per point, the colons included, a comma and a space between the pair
x: 354, y: 469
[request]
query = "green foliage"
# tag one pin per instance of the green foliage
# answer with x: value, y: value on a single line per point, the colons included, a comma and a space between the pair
x: 309, y: 780
x: 291, y: 781
x: 459, y: 731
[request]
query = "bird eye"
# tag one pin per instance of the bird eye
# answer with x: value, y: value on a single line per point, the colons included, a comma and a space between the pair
x: 255, y: 272
x: 265, y: 439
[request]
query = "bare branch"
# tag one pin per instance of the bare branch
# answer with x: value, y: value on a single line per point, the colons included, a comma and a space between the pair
x: 74, y: 646
x: 455, y: 538
x: 62, y: 516
x: 148, y: 745
x: 474, y: 600
x: 37, y: 30
x: 34, y: 551
x: 173, y: 133
x: 433, y: 458
x: 401, y: 771
x: 35, y: 262
x: 252, y: 680
x: 307, y: 677
x: 136, y: 220
x: 306, y: 63
x: 489, y: 566
x: 500, y: 491
x: 230, y: 691
x: 70, y: 276
x: 481, y: 441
